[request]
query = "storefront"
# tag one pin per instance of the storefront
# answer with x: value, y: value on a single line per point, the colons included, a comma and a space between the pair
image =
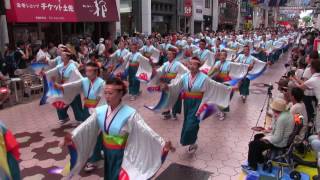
x: 59, y: 21
x: 228, y: 12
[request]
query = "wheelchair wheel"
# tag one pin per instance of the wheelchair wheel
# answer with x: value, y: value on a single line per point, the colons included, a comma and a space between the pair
x: 295, y: 175
x: 268, y: 167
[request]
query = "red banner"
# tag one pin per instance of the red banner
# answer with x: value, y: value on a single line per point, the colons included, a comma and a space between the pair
x: 188, y: 8
x: 62, y: 11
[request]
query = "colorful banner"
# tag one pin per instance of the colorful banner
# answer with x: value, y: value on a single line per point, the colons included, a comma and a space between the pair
x: 62, y: 11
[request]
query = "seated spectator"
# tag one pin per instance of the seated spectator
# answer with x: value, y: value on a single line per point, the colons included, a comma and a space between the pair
x: 43, y: 54
x: 282, y: 127
x: 298, y: 107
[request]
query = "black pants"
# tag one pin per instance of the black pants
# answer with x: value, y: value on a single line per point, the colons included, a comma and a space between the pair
x: 256, y: 148
x: 309, y: 102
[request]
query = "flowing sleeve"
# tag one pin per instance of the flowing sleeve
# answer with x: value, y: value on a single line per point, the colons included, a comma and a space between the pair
x: 182, y: 69
x: 205, y: 68
x: 120, y: 68
x: 143, y: 154
x: 153, y: 84
x: 258, y: 68
x: 144, y: 72
x: 71, y: 90
x: 238, y: 70
x: 52, y: 73
x: 155, y: 55
x: 84, y: 138
x: 168, y: 98
x: 215, y: 94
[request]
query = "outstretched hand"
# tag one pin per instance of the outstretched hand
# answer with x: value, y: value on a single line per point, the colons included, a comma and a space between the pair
x: 67, y: 141
x: 168, y: 147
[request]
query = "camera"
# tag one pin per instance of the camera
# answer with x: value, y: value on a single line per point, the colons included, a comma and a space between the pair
x: 270, y: 88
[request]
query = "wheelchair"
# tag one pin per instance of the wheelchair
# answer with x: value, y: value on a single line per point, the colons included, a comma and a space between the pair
x: 287, y: 159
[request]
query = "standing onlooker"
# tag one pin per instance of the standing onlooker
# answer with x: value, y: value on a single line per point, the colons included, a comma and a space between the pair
x: 309, y: 98
x: 52, y: 50
x: 43, y: 54
x: 100, y: 49
x: 21, y: 55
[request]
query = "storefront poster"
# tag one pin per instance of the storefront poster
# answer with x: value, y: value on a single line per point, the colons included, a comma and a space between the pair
x: 62, y: 11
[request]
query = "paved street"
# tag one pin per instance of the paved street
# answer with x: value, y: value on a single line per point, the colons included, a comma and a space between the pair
x: 222, y: 144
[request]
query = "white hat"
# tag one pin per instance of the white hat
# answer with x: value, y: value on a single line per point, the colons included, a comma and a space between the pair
x: 101, y: 40
x: 279, y: 105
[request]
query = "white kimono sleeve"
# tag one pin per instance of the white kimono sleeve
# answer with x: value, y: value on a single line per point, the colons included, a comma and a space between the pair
x: 168, y: 98
x: 205, y: 68
x: 71, y: 89
x: 258, y: 66
x: 84, y: 138
x: 144, y: 71
x: 215, y: 93
x: 52, y: 73
x: 144, y: 150
x: 155, y: 55
x: 238, y: 70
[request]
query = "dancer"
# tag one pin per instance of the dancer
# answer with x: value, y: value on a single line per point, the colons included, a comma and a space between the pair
x: 245, y: 58
x: 169, y: 71
x: 131, y: 148
x: 62, y: 74
x: 198, y: 92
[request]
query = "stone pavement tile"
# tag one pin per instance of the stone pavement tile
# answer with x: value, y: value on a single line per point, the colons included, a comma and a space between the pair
x: 220, y: 177
x: 28, y: 163
x: 229, y: 171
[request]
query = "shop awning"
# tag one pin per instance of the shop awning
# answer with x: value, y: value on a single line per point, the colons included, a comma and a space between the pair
x: 62, y: 11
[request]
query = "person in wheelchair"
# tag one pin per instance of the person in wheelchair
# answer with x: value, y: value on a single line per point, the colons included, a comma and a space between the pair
x: 282, y: 127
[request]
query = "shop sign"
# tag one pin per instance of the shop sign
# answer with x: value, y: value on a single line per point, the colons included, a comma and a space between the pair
x: 62, y: 11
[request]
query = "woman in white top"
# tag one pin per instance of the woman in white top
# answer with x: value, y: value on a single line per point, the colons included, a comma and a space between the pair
x: 298, y: 108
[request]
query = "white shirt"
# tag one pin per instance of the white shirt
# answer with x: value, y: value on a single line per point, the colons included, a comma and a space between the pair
x: 314, y: 84
x: 100, y: 48
x: 305, y: 76
x: 42, y: 56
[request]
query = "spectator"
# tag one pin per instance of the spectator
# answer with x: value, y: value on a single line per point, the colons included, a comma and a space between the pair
x: 282, y: 127
x: 100, y: 48
x: 298, y: 107
x: 309, y: 98
x: 21, y: 55
x: 43, y: 54
x: 53, y: 50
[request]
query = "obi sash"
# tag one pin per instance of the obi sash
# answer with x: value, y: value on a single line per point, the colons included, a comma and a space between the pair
x: 223, y: 74
x: 191, y: 95
x: 194, y: 91
x: 169, y: 76
x: 90, y: 91
x: 169, y: 72
x: 90, y: 103
x: 115, y: 142
x: 111, y: 134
